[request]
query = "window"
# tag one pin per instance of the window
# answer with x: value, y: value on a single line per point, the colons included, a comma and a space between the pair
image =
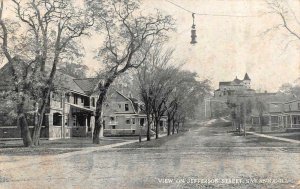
x: 113, y: 127
x: 290, y: 108
x: 298, y: 106
x: 126, y: 107
x: 57, y: 119
x: 133, y: 120
x: 120, y: 106
x: 82, y: 99
x: 127, y: 121
x: 93, y: 101
x: 142, y: 120
x: 133, y: 131
x: 75, y: 99
x: 67, y: 98
x: 112, y: 118
x: 74, y: 120
x: 61, y: 102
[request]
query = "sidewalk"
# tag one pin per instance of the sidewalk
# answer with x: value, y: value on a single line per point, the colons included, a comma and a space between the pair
x: 106, y: 147
x: 64, y: 146
x: 275, y: 137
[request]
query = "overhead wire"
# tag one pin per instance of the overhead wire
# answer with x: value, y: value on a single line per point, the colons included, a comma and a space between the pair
x: 206, y: 14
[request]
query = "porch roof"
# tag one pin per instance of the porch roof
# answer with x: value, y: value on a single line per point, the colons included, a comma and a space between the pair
x: 81, y: 108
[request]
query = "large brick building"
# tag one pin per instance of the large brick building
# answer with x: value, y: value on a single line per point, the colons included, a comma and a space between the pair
x: 234, y: 87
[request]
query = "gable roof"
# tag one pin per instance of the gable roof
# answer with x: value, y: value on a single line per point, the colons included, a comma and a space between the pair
x: 133, y: 101
x: 4, y: 73
x: 67, y: 82
x: 87, y: 84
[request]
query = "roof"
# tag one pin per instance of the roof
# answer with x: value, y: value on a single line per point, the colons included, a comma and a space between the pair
x: 133, y: 101
x: 135, y: 104
x: 225, y: 83
x: 237, y: 81
x: 247, y: 77
x: 87, y: 84
x: 67, y: 82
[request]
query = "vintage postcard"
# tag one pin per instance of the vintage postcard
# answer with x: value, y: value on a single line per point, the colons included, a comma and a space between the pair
x: 149, y: 94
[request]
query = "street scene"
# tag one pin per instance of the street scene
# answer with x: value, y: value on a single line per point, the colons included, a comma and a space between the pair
x: 149, y: 94
x: 205, y: 156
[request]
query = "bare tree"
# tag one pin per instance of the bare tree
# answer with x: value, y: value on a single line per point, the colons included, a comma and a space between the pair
x: 261, y: 108
x: 49, y: 30
x: 290, y: 21
x: 185, y: 98
x: 157, y: 77
x: 129, y: 35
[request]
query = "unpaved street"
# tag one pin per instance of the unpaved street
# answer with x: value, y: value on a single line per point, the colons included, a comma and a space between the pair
x: 205, y: 157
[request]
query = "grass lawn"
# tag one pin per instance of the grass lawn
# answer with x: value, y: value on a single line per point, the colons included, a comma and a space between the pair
x: 52, y: 147
x: 153, y: 143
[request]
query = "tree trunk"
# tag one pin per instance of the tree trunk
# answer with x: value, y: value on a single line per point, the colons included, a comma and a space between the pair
x: 148, y: 128
x: 169, y: 127
x: 37, y: 128
x: 261, y: 124
x: 23, y: 124
x: 99, y: 117
x: 25, y: 132
x: 156, y: 129
x: 173, y: 125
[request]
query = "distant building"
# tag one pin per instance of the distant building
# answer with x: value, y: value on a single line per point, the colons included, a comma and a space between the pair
x: 234, y: 87
x: 123, y: 116
x: 280, y: 115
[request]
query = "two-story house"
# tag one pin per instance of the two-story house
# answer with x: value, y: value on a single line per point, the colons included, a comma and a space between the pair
x: 123, y: 116
x: 70, y: 112
x: 72, y: 106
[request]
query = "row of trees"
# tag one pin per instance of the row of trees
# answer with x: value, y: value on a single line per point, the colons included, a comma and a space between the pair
x: 46, y: 33
x: 242, y: 108
x: 167, y: 90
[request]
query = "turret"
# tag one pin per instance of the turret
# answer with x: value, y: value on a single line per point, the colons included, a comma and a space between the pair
x: 247, y: 81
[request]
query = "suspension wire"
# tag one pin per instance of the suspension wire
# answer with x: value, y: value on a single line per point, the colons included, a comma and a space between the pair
x: 206, y: 14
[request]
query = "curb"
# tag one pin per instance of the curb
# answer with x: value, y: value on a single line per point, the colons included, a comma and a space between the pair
x: 276, y: 138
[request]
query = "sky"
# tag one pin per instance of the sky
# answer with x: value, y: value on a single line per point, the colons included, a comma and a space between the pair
x: 227, y: 46
x: 230, y: 46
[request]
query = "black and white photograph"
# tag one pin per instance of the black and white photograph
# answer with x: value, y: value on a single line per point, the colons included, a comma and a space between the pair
x: 188, y: 94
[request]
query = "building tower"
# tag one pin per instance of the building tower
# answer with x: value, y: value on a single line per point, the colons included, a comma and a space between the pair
x: 247, y: 81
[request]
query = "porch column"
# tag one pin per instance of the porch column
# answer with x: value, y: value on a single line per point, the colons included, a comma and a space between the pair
x: 270, y: 120
x: 291, y: 117
x: 86, y: 125
x: 92, y: 124
x: 63, y: 133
